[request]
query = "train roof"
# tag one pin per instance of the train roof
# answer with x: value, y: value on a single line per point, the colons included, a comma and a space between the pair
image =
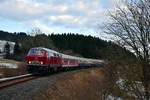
x: 81, y: 58
x: 71, y: 57
x: 49, y: 50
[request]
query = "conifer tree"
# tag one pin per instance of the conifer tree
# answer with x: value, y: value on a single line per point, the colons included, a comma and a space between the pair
x: 7, y: 50
x: 17, y: 48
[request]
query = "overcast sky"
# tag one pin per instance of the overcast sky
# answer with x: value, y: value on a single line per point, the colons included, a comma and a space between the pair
x: 78, y: 16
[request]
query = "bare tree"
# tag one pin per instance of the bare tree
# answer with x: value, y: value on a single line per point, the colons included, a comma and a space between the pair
x: 35, y: 31
x: 131, y: 26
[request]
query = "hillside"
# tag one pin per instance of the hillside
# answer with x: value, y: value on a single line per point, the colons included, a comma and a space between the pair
x: 73, y: 44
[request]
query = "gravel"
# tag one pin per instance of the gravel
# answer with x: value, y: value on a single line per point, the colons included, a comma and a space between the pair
x: 25, y: 91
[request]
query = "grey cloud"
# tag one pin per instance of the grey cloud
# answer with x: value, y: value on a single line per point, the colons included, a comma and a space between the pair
x: 89, y: 12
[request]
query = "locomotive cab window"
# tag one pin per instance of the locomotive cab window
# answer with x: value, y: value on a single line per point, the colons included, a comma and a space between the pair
x: 36, y: 51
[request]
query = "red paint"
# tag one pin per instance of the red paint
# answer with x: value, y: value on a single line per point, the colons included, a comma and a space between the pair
x: 49, y: 59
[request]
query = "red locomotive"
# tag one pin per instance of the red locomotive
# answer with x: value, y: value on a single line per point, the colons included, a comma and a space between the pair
x: 41, y: 60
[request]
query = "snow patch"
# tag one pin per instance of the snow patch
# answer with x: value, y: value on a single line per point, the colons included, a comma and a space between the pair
x: 110, y: 97
x: 2, y: 44
x: 131, y: 87
x: 8, y: 65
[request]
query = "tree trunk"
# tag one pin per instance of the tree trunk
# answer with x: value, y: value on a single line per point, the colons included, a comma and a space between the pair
x: 146, y: 80
x: 146, y: 86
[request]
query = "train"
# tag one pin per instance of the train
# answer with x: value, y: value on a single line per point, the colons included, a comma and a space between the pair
x: 44, y: 60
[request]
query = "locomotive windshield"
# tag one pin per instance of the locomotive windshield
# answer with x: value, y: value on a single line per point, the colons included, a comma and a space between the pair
x: 36, y: 51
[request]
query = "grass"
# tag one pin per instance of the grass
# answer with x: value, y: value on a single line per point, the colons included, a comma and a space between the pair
x: 86, y: 84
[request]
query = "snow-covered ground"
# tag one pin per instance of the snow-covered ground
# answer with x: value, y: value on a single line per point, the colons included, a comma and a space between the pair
x: 2, y: 44
x: 110, y: 97
x: 8, y: 65
x: 133, y: 88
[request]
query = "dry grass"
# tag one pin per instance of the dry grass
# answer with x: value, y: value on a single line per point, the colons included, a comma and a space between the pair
x: 84, y: 85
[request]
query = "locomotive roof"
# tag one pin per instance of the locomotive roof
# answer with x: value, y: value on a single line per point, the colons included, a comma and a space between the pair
x: 49, y: 50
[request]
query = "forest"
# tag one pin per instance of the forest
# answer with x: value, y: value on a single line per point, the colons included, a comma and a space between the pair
x: 68, y: 43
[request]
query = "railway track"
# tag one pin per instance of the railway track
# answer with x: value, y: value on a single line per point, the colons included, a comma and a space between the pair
x: 6, y: 82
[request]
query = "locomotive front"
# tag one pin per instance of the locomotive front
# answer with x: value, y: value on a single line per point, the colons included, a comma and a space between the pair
x: 36, y: 59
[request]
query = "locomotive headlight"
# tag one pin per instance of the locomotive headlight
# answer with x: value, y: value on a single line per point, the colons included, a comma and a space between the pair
x: 41, y: 62
x: 29, y: 62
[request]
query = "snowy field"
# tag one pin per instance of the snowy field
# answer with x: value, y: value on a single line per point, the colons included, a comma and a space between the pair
x: 2, y: 44
x: 8, y: 65
x: 9, y: 68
